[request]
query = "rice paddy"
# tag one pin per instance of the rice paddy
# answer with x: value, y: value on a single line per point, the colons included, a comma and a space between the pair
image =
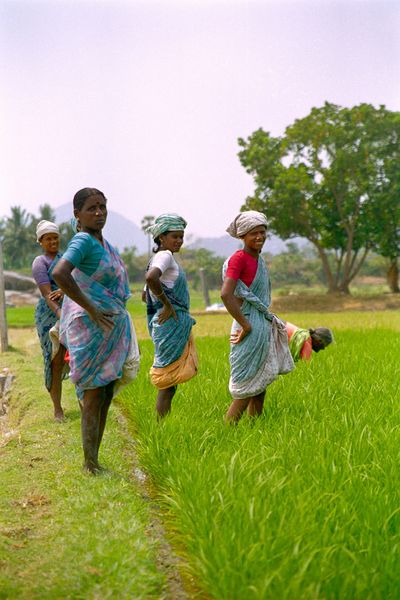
x: 303, y: 502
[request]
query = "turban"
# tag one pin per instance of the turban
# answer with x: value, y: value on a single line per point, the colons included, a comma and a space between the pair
x: 245, y: 222
x: 46, y: 227
x: 164, y: 223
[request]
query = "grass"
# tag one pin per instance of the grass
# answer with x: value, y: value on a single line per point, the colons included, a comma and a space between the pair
x: 302, y: 503
x: 65, y: 534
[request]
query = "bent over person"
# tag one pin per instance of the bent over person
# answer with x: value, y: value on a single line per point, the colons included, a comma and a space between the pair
x: 170, y: 324
x: 95, y: 325
x: 259, y: 347
x: 48, y: 311
x: 302, y: 342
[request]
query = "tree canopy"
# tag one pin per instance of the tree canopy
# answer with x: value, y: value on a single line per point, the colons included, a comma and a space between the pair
x: 331, y: 178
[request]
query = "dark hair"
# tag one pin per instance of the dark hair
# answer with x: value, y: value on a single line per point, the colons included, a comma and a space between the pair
x: 322, y: 334
x: 83, y: 194
x: 157, y: 242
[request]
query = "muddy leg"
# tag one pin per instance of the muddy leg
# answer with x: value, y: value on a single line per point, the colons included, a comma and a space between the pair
x: 90, y: 426
x: 57, y: 365
x: 236, y: 410
x: 256, y: 405
x: 164, y: 399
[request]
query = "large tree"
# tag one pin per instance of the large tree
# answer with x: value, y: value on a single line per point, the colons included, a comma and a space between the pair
x: 319, y: 181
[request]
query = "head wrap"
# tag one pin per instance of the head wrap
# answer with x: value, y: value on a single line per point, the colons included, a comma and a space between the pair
x: 245, y: 222
x: 46, y: 227
x: 166, y: 222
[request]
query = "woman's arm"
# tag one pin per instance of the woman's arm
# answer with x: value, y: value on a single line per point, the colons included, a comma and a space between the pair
x: 45, y: 290
x: 233, y: 306
x: 153, y: 282
x: 62, y: 276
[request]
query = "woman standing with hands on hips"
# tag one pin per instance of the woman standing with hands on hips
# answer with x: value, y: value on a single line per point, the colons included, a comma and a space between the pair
x: 169, y: 321
x: 259, y: 348
x: 48, y: 311
x: 95, y: 325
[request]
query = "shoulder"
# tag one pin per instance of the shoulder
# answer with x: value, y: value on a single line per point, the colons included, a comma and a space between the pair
x: 239, y: 257
x: 163, y: 258
x: 81, y: 239
x: 39, y: 261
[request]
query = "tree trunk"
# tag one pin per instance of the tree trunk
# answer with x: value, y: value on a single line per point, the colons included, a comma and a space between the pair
x: 392, y: 276
x: 330, y: 279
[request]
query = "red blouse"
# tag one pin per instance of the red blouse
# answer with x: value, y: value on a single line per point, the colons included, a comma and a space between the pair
x: 242, y: 265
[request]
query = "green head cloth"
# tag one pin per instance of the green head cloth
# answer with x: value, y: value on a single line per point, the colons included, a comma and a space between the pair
x: 166, y: 222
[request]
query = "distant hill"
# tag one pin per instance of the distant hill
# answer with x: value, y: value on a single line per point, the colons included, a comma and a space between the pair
x: 119, y: 231
x: 226, y: 245
x: 122, y: 232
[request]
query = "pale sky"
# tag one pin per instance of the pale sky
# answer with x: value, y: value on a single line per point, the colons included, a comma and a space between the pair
x: 146, y: 100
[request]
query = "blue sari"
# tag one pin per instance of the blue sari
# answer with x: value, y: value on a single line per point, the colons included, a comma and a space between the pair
x: 99, y: 357
x: 249, y: 359
x: 170, y: 338
x: 45, y: 319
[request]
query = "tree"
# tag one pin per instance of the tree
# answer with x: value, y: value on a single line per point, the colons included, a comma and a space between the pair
x: 319, y: 181
x: 133, y: 266
x: 386, y: 215
x: 66, y: 233
x: 19, y: 239
x: 146, y: 222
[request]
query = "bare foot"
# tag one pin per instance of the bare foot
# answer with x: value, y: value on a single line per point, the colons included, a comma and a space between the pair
x: 93, y: 469
x: 59, y: 416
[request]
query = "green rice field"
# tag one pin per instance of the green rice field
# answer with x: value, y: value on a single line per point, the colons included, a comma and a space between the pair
x: 302, y: 503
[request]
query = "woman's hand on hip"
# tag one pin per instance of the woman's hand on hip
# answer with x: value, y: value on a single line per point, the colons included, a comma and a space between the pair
x: 239, y: 335
x: 102, y: 319
x: 56, y: 295
x: 166, y: 313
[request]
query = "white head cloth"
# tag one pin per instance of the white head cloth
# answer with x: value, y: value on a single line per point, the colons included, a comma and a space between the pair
x: 245, y: 222
x: 46, y: 227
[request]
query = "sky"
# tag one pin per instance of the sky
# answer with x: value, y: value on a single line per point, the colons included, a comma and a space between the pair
x: 146, y: 100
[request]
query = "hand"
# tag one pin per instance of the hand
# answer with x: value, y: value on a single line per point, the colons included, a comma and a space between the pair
x: 102, y: 319
x: 166, y: 313
x: 56, y: 295
x: 240, y: 334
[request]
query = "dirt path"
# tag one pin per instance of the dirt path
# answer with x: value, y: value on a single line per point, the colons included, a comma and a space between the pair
x: 167, y: 561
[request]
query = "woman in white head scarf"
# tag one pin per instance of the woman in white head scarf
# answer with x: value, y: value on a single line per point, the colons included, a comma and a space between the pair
x: 48, y: 311
x: 259, y: 349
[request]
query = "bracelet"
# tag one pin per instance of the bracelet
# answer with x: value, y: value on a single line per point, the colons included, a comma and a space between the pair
x: 159, y: 295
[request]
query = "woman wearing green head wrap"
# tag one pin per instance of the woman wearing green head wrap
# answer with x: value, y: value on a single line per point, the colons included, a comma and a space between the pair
x: 169, y: 321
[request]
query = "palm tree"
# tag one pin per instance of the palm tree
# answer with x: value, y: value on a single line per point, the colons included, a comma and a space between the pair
x: 146, y: 222
x: 19, y: 240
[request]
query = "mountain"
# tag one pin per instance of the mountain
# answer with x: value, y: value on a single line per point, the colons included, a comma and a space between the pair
x: 226, y: 245
x: 119, y: 231
x: 122, y: 232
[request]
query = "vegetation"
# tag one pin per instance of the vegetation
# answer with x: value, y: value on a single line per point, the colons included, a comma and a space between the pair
x: 333, y: 178
x: 18, y: 236
x: 64, y: 534
x: 302, y: 503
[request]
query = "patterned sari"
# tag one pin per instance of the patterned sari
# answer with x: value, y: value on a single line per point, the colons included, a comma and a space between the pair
x: 175, y: 358
x: 97, y: 356
x: 45, y: 319
x: 264, y: 353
